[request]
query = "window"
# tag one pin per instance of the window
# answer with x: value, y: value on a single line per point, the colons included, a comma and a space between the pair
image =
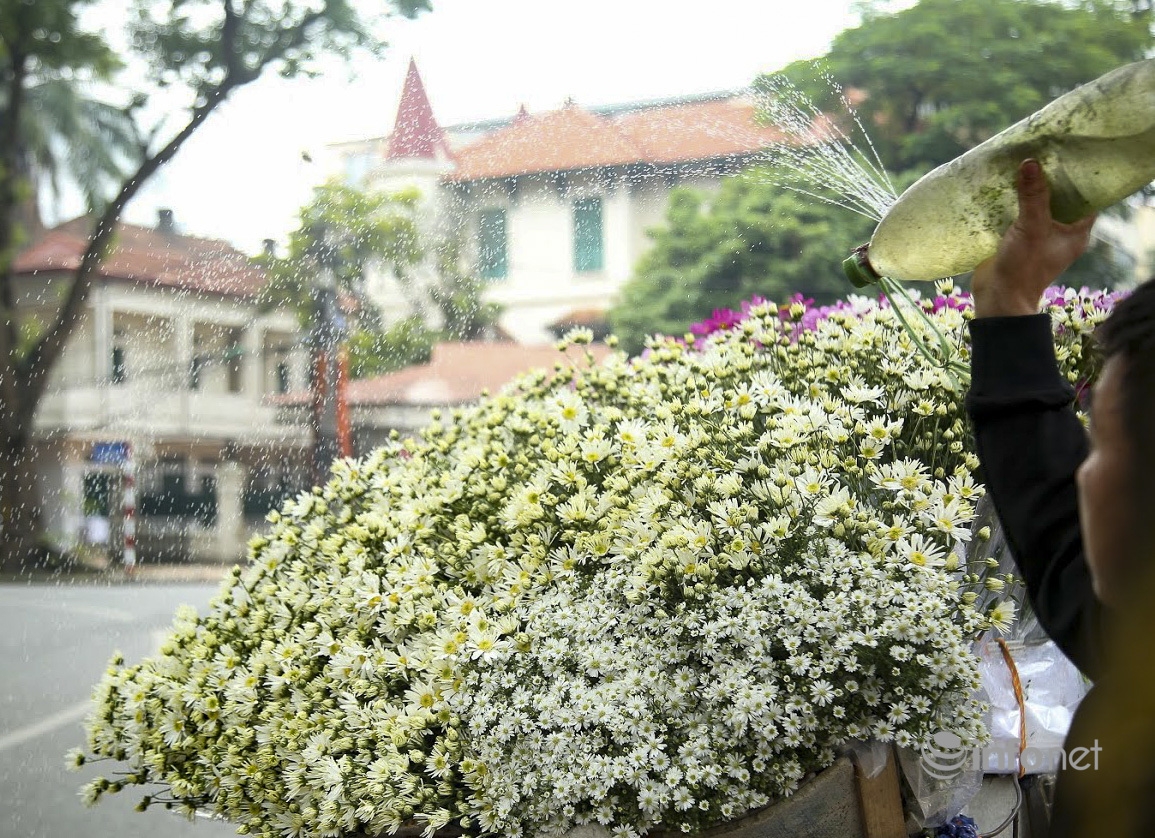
x: 172, y: 481
x: 587, y: 235
x: 233, y: 355
x: 491, y: 244
x: 194, y: 372
x: 119, y: 368
x: 97, y: 493
x: 282, y: 377
x: 357, y: 168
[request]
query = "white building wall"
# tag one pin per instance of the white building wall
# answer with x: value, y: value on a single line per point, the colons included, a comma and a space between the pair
x: 61, y: 494
x: 618, y: 205
x: 651, y: 200
x: 433, y: 218
x: 542, y: 284
x: 76, y: 364
x: 154, y: 408
x: 38, y: 300
x: 155, y: 400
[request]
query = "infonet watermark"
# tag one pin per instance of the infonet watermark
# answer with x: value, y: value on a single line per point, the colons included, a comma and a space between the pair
x: 945, y: 758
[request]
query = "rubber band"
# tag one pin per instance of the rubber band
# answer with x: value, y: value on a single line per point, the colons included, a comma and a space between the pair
x: 1017, y: 685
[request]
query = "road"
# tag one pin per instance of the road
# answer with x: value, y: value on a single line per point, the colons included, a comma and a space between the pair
x: 55, y: 641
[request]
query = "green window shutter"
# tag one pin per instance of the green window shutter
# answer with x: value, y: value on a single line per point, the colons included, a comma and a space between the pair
x: 588, y: 252
x: 492, y: 245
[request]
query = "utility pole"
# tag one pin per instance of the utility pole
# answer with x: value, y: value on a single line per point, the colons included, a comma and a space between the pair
x: 330, y: 417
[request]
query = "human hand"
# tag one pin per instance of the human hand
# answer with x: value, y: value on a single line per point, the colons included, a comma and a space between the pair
x: 1033, y: 252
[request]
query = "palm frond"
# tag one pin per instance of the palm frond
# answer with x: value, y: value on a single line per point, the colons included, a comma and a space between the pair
x: 68, y: 136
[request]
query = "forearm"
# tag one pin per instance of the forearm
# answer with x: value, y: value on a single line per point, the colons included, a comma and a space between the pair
x: 1030, y: 444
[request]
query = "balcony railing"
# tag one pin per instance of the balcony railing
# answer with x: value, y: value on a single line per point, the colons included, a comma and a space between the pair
x: 138, y: 407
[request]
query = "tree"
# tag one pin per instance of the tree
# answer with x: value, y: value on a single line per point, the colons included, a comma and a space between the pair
x: 942, y: 76
x: 458, y: 295
x: 376, y: 351
x: 44, y: 58
x: 66, y: 135
x: 356, y: 232
x: 936, y: 79
x: 209, y: 48
x: 351, y: 231
x: 752, y: 238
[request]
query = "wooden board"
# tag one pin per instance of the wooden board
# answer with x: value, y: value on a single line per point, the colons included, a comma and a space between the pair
x: 880, y: 798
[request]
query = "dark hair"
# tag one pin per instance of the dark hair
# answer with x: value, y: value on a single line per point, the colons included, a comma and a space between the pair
x: 1129, y: 333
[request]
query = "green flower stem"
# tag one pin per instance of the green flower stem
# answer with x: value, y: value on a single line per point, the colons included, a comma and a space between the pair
x: 956, y: 370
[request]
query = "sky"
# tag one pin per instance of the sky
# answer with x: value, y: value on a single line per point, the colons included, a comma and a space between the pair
x: 242, y: 177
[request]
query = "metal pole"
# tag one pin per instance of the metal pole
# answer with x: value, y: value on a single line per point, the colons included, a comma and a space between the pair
x: 330, y: 410
x: 325, y: 339
x: 324, y: 435
x: 128, y: 507
x: 344, y: 426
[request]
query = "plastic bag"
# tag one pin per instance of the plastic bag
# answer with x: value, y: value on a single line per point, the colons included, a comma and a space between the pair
x: 1052, y: 686
x: 1052, y: 689
x: 934, y: 798
x: 870, y: 757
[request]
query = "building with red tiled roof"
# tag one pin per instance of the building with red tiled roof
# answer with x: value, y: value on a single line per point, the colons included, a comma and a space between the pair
x: 458, y: 373
x: 570, y: 139
x: 150, y: 256
x: 573, y: 140
x: 172, y: 359
x: 552, y: 209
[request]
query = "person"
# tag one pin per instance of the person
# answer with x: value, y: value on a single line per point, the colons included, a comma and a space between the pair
x: 1078, y: 509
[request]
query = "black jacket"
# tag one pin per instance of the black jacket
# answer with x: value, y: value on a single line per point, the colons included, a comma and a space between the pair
x: 1030, y: 444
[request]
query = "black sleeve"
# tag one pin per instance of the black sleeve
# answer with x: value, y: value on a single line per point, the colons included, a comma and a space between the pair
x: 1029, y: 445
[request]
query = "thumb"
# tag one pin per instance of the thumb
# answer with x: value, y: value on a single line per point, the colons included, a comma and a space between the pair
x: 1034, y: 196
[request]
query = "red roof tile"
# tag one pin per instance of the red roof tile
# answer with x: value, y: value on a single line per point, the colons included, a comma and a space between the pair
x: 580, y: 317
x: 551, y: 142
x: 699, y: 131
x: 572, y: 139
x: 149, y: 256
x: 456, y: 374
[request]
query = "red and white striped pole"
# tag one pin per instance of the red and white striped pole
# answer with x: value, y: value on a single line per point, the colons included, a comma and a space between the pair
x: 129, y: 508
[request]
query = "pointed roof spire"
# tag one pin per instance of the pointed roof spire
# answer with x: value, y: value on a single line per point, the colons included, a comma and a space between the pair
x: 521, y: 115
x: 416, y: 132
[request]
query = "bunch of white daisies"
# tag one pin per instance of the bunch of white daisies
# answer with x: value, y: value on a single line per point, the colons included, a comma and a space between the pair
x: 653, y: 592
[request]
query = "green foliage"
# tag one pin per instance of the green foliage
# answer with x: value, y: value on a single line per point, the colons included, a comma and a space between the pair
x: 67, y: 136
x: 46, y: 38
x: 753, y: 238
x: 458, y: 296
x: 48, y: 63
x: 943, y: 75
x: 349, y: 231
x: 200, y: 43
x: 345, y: 230
x: 375, y: 352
